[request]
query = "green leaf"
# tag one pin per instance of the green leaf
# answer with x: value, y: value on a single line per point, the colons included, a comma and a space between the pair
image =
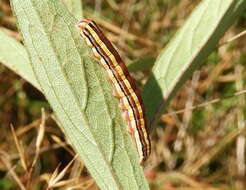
x: 75, y: 7
x: 187, y: 50
x: 79, y: 93
x: 14, y: 56
x: 142, y: 64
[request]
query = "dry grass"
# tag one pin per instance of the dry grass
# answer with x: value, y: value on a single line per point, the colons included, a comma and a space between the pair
x: 200, y: 141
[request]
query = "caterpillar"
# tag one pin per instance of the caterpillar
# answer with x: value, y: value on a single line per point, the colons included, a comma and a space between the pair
x: 125, y: 88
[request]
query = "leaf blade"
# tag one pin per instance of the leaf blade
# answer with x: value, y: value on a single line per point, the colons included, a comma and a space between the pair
x: 75, y: 7
x: 14, y: 56
x: 78, y: 94
x: 187, y: 50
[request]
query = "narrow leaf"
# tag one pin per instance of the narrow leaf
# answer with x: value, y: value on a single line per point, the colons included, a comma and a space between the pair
x: 142, y: 64
x: 75, y: 7
x: 14, y: 56
x: 79, y: 93
x: 187, y: 50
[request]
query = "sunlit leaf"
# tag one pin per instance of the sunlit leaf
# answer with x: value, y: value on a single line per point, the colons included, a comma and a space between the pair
x: 14, y: 56
x: 79, y: 93
x: 187, y: 50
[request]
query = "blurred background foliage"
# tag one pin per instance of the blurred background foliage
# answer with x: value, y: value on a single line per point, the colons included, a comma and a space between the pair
x: 202, y: 148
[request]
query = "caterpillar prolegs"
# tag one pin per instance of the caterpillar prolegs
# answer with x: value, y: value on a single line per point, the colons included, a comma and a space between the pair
x: 125, y: 88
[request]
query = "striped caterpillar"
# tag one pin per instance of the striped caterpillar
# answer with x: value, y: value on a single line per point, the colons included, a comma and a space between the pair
x: 125, y: 88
